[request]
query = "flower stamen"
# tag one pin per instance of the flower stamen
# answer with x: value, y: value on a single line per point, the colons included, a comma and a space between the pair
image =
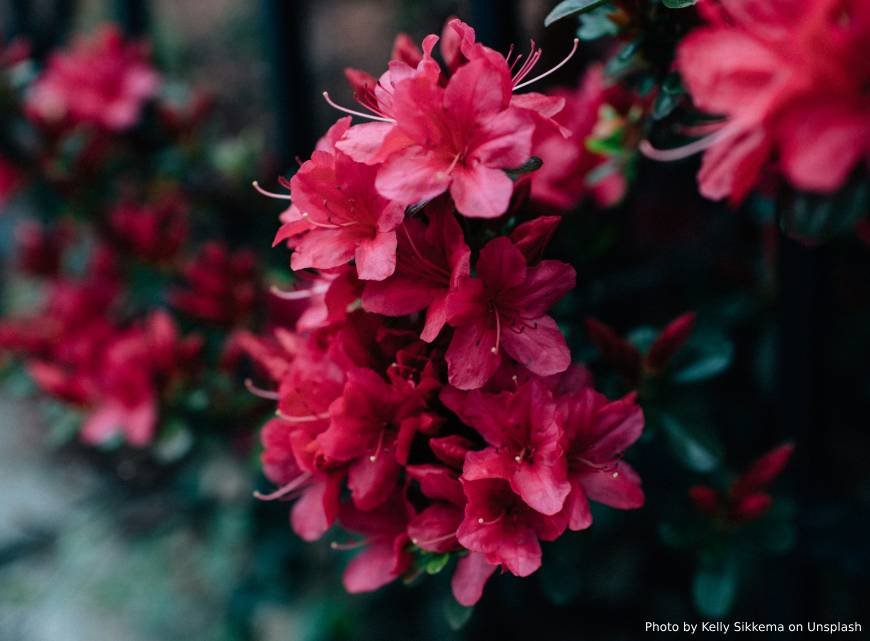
x: 353, y: 112
x: 299, y: 294
x: 547, y: 73
x: 270, y: 194
x: 284, y: 490
x: 259, y: 392
x: 311, y: 418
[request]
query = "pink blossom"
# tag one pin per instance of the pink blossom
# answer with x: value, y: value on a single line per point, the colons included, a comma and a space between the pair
x: 525, y: 443
x: 338, y: 216
x: 221, y: 286
x: 10, y: 180
x: 502, y: 527
x: 746, y: 498
x: 432, y: 259
x: 597, y: 432
x: 790, y: 82
x: 505, y: 307
x: 153, y: 231
x: 565, y: 176
x: 384, y: 557
x: 100, y: 80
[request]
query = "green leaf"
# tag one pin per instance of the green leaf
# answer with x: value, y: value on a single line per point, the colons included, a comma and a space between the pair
x: 678, y: 4
x: 596, y: 24
x: 819, y: 217
x: 707, y: 357
x: 696, y: 449
x: 669, y: 97
x: 457, y: 615
x: 570, y: 8
x: 437, y: 563
x: 532, y: 164
x: 715, y: 585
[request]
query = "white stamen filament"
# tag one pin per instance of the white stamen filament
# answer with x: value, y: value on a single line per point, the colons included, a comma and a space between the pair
x: 353, y: 112
x: 299, y: 294
x: 260, y: 392
x: 284, y: 490
x: 553, y: 70
x: 270, y: 194
x: 312, y: 418
x: 678, y: 153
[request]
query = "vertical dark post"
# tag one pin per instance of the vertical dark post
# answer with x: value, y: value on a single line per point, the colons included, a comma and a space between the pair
x: 285, y: 29
x: 133, y: 16
x: 20, y: 19
x: 42, y: 37
x: 802, y: 388
x: 496, y: 22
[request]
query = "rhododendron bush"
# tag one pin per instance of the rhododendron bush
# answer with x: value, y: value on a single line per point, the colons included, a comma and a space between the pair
x: 129, y: 305
x: 526, y: 333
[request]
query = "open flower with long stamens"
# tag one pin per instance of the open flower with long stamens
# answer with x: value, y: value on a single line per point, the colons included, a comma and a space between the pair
x: 343, y: 217
x: 596, y: 433
x: 524, y: 441
x: 505, y: 309
x: 789, y: 82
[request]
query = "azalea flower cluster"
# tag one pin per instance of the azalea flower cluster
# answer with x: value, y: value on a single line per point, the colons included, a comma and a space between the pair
x: 132, y: 304
x: 102, y: 80
x: 426, y: 399
x: 86, y: 344
x: 787, y: 82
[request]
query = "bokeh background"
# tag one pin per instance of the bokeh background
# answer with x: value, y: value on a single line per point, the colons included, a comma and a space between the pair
x: 97, y: 548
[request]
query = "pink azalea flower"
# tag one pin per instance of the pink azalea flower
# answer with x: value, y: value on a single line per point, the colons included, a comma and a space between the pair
x: 319, y: 300
x: 338, y: 215
x: 597, y: 432
x: 790, y: 81
x: 154, y: 231
x: 457, y: 135
x: 384, y: 557
x: 460, y: 137
x: 100, y: 80
x: 564, y: 178
x: 472, y: 572
x: 524, y: 441
x: 127, y: 390
x: 41, y: 247
x: 222, y: 286
x: 627, y: 360
x: 10, y: 180
x: 502, y: 527
x: 363, y: 432
x: 747, y: 498
x: 432, y: 259
x: 505, y: 307
x: 291, y: 460
x: 434, y: 529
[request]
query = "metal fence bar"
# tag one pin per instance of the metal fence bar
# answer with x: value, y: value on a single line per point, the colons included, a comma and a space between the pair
x: 133, y: 16
x: 496, y: 22
x: 286, y: 42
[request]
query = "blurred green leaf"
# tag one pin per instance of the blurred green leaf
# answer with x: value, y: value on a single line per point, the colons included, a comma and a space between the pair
x: 817, y: 218
x: 436, y: 563
x: 696, y: 449
x: 532, y: 164
x: 669, y: 97
x: 457, y: 615
x: 715, y: 584
x: 678, y: 4
x: 570, y: 8
x: 596, y: 24
x: 708, y: 355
